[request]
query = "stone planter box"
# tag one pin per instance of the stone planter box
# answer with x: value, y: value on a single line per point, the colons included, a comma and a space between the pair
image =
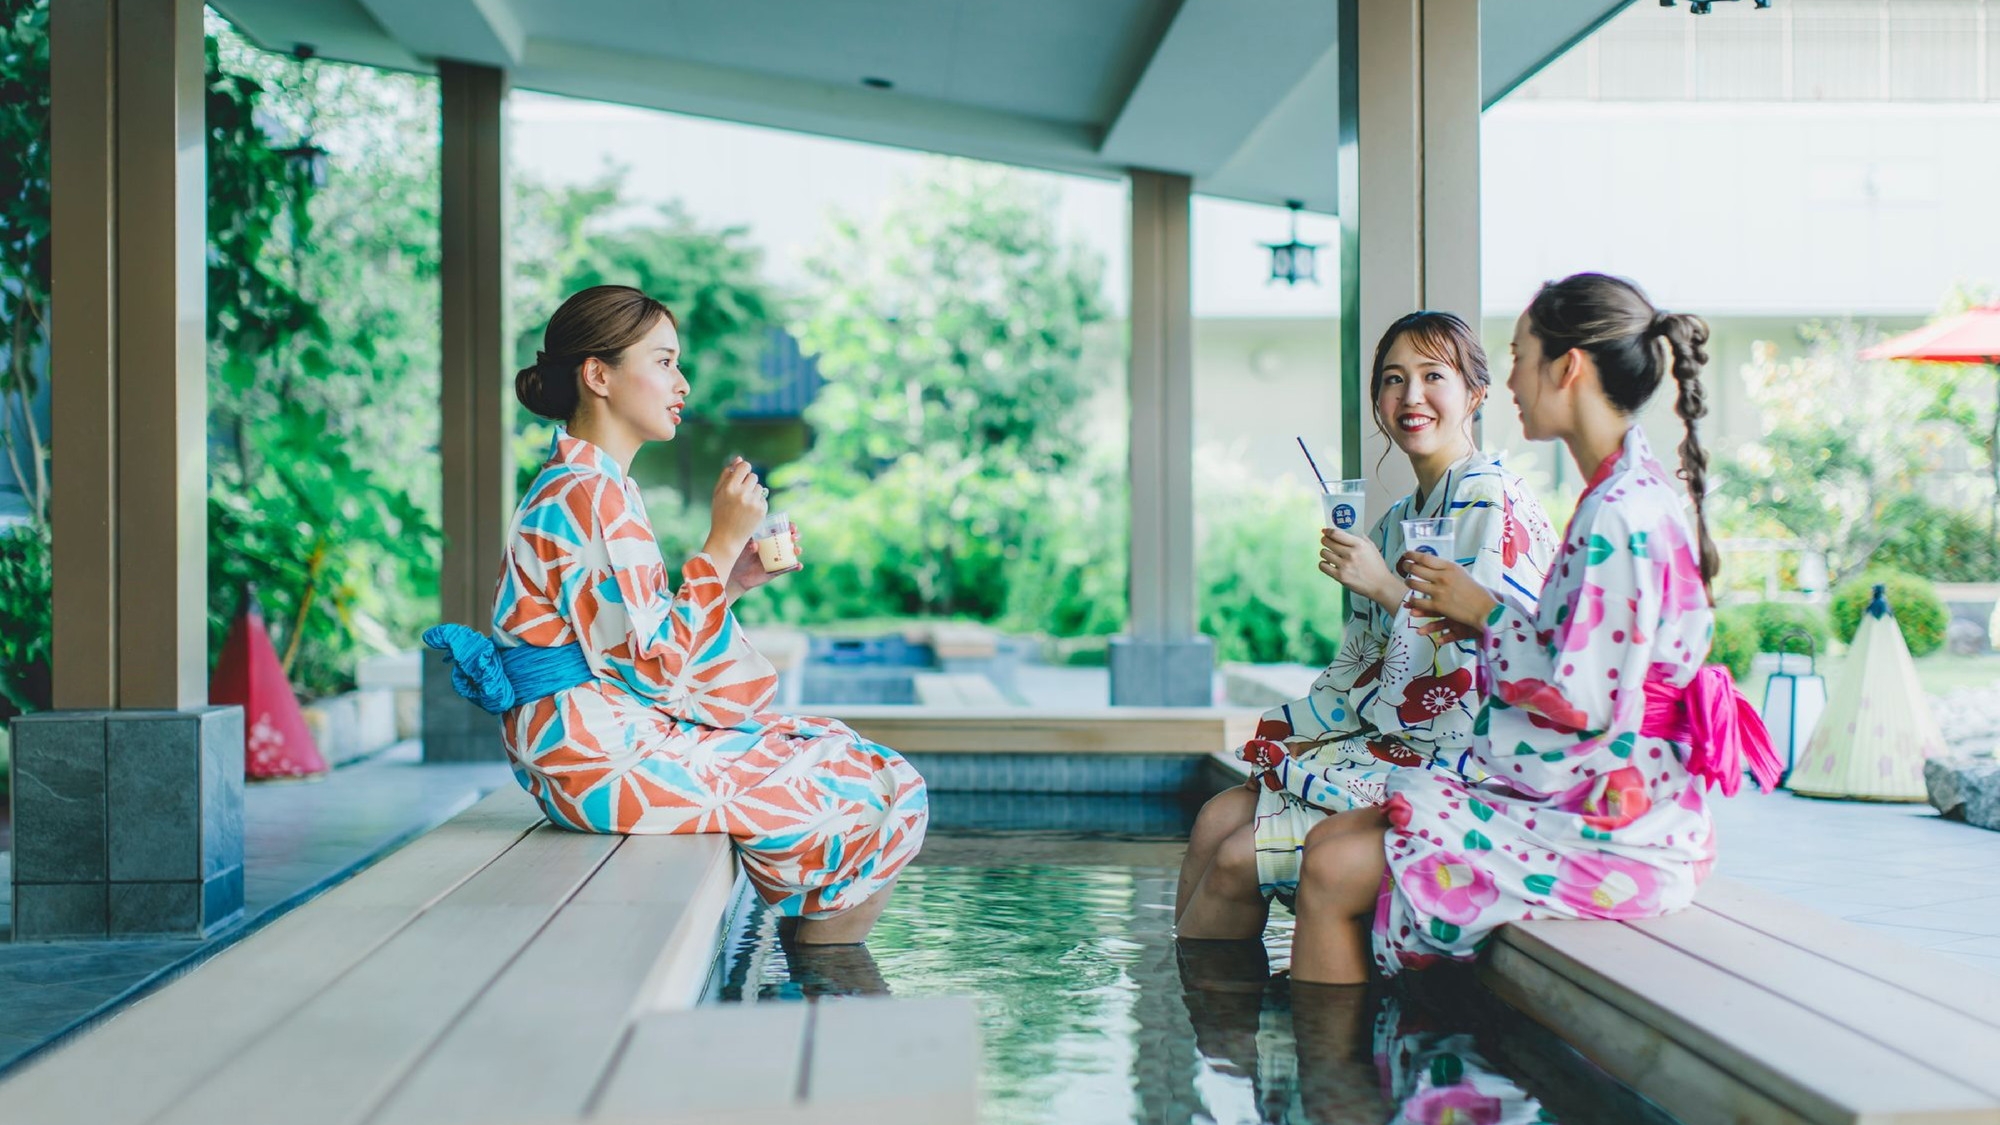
x: 353, y: 726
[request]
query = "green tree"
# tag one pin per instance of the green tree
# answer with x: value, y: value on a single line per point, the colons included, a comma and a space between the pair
x: 323, y: 306
x: 1848, y: 452
x: 573, y: 236
x: 951, y: 332
x: 24, y: 244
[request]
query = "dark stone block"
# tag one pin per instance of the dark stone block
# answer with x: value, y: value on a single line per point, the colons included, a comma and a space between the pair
x: 155, y: 796
x: 1179, y: 673
x: 453, y: 729
x: 222, y: 752
x: 59, y: 797
x: 60, y: 911
x: 156, y: 909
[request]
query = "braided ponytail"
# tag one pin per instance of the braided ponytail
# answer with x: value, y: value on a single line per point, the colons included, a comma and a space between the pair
x: 1636, y: 347
x: 1686, y: 339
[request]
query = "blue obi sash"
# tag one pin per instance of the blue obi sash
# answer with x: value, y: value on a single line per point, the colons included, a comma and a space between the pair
x: 499, y: 679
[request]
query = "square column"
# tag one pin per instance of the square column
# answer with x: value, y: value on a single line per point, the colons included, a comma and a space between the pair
x: 477, y: 390
x: 128, y: 796
x: 1409, y: 182
x: 1163, y: 660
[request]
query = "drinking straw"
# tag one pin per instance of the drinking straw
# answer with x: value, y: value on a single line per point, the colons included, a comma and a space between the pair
x: 1315, y: 467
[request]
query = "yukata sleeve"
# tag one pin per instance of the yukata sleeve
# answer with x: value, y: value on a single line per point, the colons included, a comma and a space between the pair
x: 682, y: 649
x: 1579, y: 666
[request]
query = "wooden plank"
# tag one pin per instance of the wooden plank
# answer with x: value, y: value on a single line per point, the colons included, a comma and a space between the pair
x: 336, y: 1056
x: 1683, y: 1083
x: 728, y: 1059
x: 1930, y: 1033
x: 1935, y: 978
x: 1819, y: 1069
x: 1021, y: 730
x: 933, y: 1040
x: 163, y: 1046
x: 586, y: 973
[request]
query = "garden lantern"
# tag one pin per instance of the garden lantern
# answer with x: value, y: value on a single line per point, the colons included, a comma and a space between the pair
x: 1878, y: 729
x: 1793, y: 701
x: 1294, y: 261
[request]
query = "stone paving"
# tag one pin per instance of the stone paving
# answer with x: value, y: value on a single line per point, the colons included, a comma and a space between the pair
x: 1901, y: 870
x: 298, y: 837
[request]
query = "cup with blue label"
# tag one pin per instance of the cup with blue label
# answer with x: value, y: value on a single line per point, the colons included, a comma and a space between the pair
x: 1429, y: 537
x: 1345, y: 504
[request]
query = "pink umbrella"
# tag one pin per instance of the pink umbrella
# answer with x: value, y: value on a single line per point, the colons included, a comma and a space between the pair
x: 1970, y: 337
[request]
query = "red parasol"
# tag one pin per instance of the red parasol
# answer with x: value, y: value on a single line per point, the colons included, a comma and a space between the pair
x: 276, y: 740
x: 1969, y: 337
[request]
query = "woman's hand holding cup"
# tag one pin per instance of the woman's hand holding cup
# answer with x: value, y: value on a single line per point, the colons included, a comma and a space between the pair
x: 735, y: 510
x: 1442, y: 590
x: 1353, y: 561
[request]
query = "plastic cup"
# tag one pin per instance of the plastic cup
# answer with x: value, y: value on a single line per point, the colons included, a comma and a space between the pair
x: 1345, y: 505
x: 775, y: 548
x: 1429, y: 537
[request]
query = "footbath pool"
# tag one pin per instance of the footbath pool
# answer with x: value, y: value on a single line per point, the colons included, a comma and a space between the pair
x: 1091, y: 1012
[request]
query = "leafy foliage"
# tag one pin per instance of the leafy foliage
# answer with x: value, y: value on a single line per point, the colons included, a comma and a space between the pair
x: 951, y: 334
x: 1850, y: 457
x: 1735, y: 642
x: 571, y: 237
x: 1777, y: 626
x: 323, y: 307
x: 24, y: 242
x: 1914, y: 600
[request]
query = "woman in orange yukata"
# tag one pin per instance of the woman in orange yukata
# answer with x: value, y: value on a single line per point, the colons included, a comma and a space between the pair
x: 634, y: 707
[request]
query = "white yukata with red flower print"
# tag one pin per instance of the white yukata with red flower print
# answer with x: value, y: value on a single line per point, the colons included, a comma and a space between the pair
x: 1393, y: 697
x: 1580, y: 814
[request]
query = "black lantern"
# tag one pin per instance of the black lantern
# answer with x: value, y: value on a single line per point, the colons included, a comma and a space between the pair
x: 1294, y: 261
x: 307, y: 159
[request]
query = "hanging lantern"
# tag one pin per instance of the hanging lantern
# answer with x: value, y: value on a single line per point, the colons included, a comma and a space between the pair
x: 1294, y: 261
x: 1793, y: 702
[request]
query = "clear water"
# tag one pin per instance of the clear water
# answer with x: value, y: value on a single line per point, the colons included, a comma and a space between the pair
x: 1092, y: 1014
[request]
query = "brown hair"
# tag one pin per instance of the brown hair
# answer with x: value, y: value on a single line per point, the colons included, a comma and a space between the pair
x: 1635, y: 347
x: 1441, y: 336
x: 599, y: 322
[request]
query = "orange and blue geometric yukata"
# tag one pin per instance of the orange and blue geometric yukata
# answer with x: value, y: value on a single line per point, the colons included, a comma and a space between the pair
x: 674, y: 733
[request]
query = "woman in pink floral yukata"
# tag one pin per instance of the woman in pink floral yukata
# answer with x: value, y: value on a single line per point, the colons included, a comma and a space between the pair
x: 1601, y: 723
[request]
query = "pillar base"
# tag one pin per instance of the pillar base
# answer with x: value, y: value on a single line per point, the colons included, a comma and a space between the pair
x: 1177, y: 673
x: 455, y: 731
x: 127, y: 823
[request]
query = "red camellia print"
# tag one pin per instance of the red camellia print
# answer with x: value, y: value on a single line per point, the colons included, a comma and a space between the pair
x: 1623, y: 800
x: 1427, y: 697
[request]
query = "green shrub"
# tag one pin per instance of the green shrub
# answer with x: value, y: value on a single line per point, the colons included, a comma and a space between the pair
x: 25, y: 621
x: 1942, y: 544
x: 1918, y: 609
x: 1735, y: 641
x: 1778, y: 623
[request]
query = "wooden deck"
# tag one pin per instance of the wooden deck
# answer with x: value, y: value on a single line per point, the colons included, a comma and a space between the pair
x: 1023, y: 730
x: 496, y: 969
x: 1751, y: 1008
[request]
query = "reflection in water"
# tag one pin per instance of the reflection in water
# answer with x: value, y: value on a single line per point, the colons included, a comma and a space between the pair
x: 1093, y: 1013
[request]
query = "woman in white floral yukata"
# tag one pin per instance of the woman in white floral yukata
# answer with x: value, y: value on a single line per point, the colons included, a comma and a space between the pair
x: 1602, y: 725
x: 1393, y: 697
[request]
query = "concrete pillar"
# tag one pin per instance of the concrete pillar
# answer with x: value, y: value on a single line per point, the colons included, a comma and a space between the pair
x: 477, y: 390
x: 1409, y: 178
x: 128, y: 796
x: 1163, y: 660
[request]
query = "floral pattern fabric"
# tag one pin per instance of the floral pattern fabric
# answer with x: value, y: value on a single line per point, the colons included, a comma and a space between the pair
x: 675, y: 733
x: 1393, y: 697
x: 1580, y: 814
